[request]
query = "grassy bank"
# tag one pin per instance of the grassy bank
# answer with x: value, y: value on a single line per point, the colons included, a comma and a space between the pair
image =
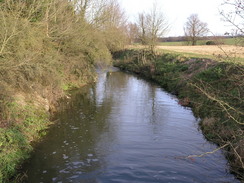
x: 15, y: 140
x: 24, y: 120
x: 214, y: 90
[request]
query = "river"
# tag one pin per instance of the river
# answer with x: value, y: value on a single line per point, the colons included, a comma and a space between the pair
x: 124, y: 129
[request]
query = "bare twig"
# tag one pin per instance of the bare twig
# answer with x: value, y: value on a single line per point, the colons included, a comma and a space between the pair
x: 237, y: 154
x: 223, y: 104
x: 206, y: 153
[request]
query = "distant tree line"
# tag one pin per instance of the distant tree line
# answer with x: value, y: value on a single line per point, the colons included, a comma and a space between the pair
x: 183, y: 38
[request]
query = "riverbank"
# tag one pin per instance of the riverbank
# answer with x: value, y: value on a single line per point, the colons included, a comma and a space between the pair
x: 25, y: 119
x: 213, y: 89
x: 46, y: 48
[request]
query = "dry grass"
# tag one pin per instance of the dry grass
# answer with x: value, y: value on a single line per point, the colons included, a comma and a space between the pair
x: 223, y: 50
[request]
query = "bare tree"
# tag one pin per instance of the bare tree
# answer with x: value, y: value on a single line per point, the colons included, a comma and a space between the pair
x: 152, y: 25
x: 235, y: 15
x: 156, y: 24
x: 112, y: 23
x: 141, y: 23
x: 133, y: 32
x: 195, y: 28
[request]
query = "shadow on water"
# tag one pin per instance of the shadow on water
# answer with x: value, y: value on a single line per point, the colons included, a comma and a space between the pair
x: 124, y: 129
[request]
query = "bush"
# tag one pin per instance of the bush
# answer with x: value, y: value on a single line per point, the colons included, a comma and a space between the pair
x: 210, y: 43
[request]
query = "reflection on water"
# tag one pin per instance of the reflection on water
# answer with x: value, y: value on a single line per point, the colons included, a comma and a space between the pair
x: 124, y: 129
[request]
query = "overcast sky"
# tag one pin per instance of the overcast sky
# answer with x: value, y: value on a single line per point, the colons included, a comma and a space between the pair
x: 177, y: 12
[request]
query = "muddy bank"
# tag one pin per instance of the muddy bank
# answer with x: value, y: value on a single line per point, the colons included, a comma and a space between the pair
x: 213, y: 89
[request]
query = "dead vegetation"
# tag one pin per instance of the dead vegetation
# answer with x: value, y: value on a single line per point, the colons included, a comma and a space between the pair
x: 212, y: 50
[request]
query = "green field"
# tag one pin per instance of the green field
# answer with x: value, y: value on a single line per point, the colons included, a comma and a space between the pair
x: 226, y: 41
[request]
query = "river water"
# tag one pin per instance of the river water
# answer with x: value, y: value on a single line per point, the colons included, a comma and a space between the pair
x: 125, y: 130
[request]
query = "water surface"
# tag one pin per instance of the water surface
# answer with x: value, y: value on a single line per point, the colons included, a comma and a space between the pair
x: 124, y: 129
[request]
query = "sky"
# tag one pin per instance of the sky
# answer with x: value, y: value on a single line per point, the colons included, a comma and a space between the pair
x: 177, y: 12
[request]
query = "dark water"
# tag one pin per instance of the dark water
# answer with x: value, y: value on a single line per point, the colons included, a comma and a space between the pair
x: 124, y: 129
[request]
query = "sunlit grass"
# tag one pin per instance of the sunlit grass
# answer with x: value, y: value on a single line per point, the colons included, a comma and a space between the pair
x: 213, y: 52
x: 196, y: 55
